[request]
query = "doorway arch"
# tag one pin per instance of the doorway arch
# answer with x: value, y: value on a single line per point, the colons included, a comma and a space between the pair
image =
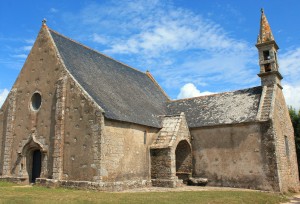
x: 34, y: 155
x: 183, y: 155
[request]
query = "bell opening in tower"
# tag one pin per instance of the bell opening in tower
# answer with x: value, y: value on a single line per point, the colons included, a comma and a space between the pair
x: 267, y: 67
x: 266, y: 55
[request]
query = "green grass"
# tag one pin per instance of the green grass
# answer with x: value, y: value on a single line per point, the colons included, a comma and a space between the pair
x: 9, y: 193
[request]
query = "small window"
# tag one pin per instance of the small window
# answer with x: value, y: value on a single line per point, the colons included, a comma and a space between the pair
x: 275, y: 56
x: 145, y: 137
x: 267, y: 67
x: 36, y: 101
x: 287, y: 148
x: 266, y: 55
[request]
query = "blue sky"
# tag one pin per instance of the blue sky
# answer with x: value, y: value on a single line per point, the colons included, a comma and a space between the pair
x: 190, y: 47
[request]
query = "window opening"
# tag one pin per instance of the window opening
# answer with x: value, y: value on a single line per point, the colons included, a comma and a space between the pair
x: 276, y: 60
x: 36, y: 101
x: 266, y: 54
x: 145, y: 137
x: 287, y: 148
x: 267, y: 67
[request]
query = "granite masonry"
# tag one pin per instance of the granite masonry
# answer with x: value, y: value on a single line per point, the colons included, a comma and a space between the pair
x: 77, y: 118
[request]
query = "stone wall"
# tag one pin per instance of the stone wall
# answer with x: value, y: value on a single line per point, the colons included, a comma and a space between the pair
x: 285, y: 148
x: 125, y: 153
x: 66, y: 128
x: 161, y: 163
x: 2, y: 111
x: 268, y: 150
x: 39, y: 74
x: 83, y: 124
x: 232, y: 155
x: 86, y: 185
x: 3, y: 125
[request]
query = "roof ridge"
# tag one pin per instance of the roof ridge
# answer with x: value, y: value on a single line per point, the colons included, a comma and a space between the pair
x: 98, y: 52
x: 156, y: 84
x: 204, y: 96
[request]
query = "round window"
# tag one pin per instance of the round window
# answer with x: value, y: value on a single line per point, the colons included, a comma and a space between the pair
x: 36, y: 101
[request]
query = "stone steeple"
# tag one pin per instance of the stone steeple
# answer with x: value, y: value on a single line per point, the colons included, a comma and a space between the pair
x: 267, y: 50
x: 265, y: 32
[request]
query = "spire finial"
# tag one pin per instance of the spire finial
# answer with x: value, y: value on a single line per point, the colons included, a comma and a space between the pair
x: 44, y: 22
x: 265, y: 32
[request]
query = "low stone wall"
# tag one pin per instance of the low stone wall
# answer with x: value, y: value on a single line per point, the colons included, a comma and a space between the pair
x: 19, y: 180
x: 100, y: 186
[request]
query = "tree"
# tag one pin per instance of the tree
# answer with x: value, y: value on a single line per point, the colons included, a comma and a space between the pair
x: 295, y: 118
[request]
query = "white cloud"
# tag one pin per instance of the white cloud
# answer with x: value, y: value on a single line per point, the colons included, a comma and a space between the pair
x: 29, y: 41
x: 292, y: 95
x: 22, y: 56
x: 99, y: 39
x: 3, y: 95
x: 290, y: 65
x: 290, y: 68
x: 53, y: 10
x: 27, y: 48
x: 189, y: 90
x: 167, y: 28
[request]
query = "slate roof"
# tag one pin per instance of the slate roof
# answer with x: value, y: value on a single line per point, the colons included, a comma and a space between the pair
x: 224, y: 108
x: 124, y: 93
x: 127, y: 94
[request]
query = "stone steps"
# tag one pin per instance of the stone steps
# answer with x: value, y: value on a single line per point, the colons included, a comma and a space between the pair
x: 267, y: 101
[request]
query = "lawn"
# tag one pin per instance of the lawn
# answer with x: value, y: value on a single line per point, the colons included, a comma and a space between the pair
x: 10, y: 193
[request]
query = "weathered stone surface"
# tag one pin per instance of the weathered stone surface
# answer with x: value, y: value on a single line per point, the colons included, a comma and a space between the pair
x: 285, y: 152
x: 9, y: 133
x: 100, y: 186
x: 197, y: 181
x: 236, y: 156
x: 171, y: 155
x: 238, y: 139
x: 125, y: 151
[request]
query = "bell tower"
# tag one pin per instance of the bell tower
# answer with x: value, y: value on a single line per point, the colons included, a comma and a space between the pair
x: 267, y: 51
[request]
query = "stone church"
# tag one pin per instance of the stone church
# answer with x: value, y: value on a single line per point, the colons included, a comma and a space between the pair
x: 78, y: 118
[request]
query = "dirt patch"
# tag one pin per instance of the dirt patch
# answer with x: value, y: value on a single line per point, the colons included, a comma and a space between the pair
x: 25, y: 186
x: 185, y: 188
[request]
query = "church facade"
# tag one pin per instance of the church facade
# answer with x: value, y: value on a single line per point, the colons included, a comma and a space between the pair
x: 78, y: 118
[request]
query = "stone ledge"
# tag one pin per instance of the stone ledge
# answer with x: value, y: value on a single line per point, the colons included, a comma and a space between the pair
x: 18, y: 180
x: 100, y: 186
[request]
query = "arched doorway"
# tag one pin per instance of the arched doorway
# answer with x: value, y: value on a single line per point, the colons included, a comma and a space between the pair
x: 36, y: 165
x: 183, y: 160
x: 34, y: 158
